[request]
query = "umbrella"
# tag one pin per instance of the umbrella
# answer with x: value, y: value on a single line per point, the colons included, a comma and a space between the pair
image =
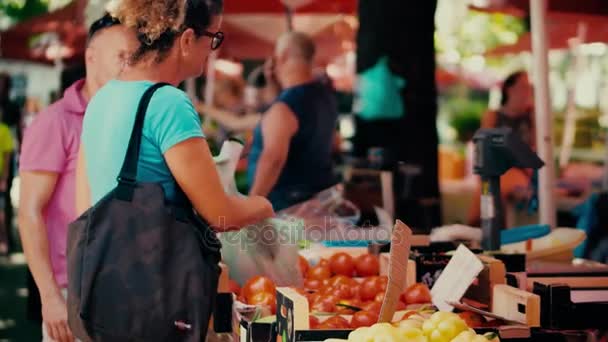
x: 61, y: 35
x: 251, y: 29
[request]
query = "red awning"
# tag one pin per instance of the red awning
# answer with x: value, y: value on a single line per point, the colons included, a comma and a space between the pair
x: 66, y: 22
x: 243, y: 41
x: 276, y: 6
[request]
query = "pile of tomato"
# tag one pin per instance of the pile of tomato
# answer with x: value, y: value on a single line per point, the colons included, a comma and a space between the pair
x: 340, y: 285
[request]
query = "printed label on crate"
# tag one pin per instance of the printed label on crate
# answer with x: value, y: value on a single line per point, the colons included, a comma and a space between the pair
x: 429, y: 268
x: 292, y: 314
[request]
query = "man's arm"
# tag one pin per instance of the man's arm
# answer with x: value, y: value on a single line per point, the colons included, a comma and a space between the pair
x: 488, y: 120
x: 279, y: 125
x: 36, y: 190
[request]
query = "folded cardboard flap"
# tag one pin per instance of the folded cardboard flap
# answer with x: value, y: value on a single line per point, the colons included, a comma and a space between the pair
x: 458, y: 275
x: 410, y: 279
x: 397, y: 270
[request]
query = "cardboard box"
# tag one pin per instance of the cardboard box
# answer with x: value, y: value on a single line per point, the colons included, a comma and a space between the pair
x: 516, y: 305
x: 493, y: 273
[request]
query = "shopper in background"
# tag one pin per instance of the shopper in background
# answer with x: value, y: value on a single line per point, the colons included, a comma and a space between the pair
x: 47, y: 168
x: 516, y: 113
x: 7, y: 147
x: 516, y: 108
x: 10, y: 115
x: 291, y: 157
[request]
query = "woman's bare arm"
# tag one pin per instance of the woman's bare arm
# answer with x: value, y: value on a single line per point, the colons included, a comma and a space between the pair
x: 193, y: 167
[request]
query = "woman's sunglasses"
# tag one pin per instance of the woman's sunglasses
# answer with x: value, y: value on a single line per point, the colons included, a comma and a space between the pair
x: 216, y: 39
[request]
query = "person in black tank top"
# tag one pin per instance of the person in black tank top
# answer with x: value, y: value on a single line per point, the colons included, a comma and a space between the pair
x: 290, y: 159
x: 516, y: 113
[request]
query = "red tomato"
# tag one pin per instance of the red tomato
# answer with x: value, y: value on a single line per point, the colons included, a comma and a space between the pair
x: 234, y: 287
x: 335, y: 323
x: 383, y: 282
x: 318, y: 272
x: 325, y: 304
x: 342, y: 264
x: 400, y: 306
x: 416, y: 294
x: 367, y: 265
x: 341, y: 291
x: 363, y: 319
x: 323, y: 262
x: 313, y: 297
x: 256, y: 285
x: 372, y: 307
x: 379, y: 297
x: 473, y: 320
x: 312, y: 284
x: 340, y: 279
x: 357, y: 291
x: 341, y: 309
x: 370, y: 287
x: 313, y: 322
x: 265, y: 298
x: 303, y: 264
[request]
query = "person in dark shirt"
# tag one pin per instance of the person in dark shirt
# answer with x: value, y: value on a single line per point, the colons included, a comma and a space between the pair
x: 291, y: 156
x: 516, y: 113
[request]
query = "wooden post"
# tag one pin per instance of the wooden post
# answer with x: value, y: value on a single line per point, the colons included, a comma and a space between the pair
x: 544, y: 115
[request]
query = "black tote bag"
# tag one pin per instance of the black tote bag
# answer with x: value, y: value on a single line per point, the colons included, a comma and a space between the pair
x: 138, y: 268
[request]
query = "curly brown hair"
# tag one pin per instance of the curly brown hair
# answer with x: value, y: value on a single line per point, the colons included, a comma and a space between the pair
x: 158, y: 22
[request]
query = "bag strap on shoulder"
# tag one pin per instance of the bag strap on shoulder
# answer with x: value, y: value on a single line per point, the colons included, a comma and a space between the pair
x: 127, y: 178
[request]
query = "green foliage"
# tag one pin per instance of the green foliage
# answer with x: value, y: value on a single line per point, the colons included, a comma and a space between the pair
x: 465, y: 116
x: 481, y: 32
x: 18, y: 10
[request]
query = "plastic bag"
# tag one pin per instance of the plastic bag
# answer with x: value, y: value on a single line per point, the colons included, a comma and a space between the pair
x: 268, y: 248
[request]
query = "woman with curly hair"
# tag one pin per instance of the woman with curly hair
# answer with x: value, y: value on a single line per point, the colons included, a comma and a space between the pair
x: 175, y: 37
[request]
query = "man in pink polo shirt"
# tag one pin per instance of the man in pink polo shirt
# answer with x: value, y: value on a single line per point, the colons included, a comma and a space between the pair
x: 48, y: 168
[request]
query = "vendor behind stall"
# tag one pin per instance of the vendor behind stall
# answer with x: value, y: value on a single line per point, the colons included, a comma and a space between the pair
x: 291, y: 155
x: 515, y: 112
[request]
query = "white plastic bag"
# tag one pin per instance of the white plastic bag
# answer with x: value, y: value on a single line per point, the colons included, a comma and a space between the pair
x: 267, y: 248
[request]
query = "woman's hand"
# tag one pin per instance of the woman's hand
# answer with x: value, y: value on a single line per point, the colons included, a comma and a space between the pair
x: 263, y: 207
x: 55, y: 317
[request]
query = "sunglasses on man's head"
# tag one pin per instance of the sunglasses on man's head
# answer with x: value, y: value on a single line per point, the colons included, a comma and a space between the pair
x: 102, y: 23
x: 216, y: 39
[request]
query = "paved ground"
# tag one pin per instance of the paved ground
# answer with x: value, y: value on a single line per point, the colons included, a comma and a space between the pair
x: 14, y: 325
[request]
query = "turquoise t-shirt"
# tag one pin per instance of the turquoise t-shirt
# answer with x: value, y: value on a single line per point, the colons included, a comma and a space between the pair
x: 170, y: 119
